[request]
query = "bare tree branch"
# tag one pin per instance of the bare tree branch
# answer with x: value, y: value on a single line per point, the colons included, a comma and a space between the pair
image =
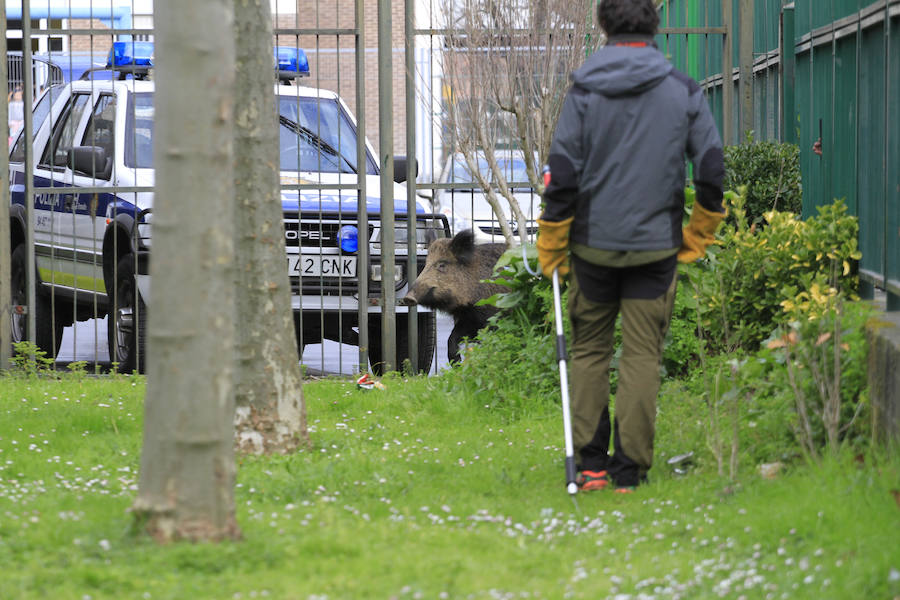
x: 506, y: 66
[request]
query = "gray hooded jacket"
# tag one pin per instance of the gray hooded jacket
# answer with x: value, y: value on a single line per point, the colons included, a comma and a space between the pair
x: 617, y: 159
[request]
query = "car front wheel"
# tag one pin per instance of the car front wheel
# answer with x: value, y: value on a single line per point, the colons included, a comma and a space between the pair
x: 126, y: 332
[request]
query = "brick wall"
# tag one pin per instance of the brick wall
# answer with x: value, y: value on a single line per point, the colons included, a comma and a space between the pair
x: 99, y: 43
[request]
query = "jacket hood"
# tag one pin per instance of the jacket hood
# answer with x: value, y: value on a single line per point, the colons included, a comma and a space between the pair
x: 622, y: 70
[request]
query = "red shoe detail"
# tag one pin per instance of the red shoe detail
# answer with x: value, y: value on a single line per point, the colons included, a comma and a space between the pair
x: 593, y: 480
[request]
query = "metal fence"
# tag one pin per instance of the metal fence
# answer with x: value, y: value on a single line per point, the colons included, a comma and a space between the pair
x: 385, y: 69
x: 819, y: 69
x: 846, y: 90
x: 80, y: 209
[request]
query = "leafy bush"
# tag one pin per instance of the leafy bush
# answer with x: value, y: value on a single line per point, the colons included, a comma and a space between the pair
x: 751, y: 394
x: 821, y: 358
x: 746, y: 284
x: 514, y: 361
x: 30, y: 361
x: 682, y: 347
x: 770, y: 171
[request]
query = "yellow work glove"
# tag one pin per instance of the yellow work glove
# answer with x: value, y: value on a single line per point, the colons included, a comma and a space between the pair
x: 553, y: 246
x: 699, y: 233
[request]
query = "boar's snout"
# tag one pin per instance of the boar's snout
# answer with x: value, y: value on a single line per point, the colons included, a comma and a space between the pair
x: 419, y: 293
x: 409, y: 299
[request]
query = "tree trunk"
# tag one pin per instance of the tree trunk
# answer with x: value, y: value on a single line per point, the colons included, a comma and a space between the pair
x: 271, y: 416
x: 186, y: 488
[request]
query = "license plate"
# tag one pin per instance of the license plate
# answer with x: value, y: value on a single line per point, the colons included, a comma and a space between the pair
x: 314, y: 265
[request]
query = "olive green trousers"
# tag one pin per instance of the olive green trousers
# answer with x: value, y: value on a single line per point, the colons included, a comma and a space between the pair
x: 645, y: 322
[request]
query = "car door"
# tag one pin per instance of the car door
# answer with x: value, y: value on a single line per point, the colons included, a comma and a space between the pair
x: 55, y: 242
x: 89, y: 208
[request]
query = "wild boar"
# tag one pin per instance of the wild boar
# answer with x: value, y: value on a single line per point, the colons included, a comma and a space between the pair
x: 452, y: 282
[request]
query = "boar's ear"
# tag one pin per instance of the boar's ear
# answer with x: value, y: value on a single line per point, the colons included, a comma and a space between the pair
x: 463, y: 246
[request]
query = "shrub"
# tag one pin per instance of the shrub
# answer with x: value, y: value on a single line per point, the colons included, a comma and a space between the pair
x: 770, y: 172
x: 30, y: 361
x: 682, y: 347
x: 821, y: 359
x: 514, y: 362
x: 743, y: 285
x: 749, y: 403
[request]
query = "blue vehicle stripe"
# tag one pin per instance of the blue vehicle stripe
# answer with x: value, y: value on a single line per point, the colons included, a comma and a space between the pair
x: 107, y: 204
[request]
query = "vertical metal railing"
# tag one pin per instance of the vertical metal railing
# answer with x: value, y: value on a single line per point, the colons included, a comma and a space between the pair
x: 362, y: 206
x: 386, y: 158
x: 28, y: 102
x: 412, y: 319
x: 5, y: 249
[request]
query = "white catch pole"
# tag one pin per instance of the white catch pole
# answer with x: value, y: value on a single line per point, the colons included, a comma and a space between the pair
x: 571, y: 485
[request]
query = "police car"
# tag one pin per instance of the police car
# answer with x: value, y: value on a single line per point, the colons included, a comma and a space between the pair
x: 92, y: 244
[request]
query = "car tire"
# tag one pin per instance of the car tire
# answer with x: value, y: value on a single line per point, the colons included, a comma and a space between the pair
x: 48, y: 331
x: 127, y: 324
x: 426, y: 335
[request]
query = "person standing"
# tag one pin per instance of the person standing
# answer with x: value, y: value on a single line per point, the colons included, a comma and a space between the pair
x: 615, y: 200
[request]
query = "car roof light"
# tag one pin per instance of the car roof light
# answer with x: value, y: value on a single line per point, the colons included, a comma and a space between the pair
x: 128, y: 54
x: 291, y: 62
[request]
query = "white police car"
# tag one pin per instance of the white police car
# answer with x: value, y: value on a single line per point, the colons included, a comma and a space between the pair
x: 92, y: 244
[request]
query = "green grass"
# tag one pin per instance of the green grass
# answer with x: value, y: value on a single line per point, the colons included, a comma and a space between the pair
x: 414, y: 492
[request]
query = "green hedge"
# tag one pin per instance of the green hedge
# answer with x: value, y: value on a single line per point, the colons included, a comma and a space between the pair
x: 770, y: 172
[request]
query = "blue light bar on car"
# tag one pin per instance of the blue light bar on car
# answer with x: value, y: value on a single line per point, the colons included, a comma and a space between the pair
x: 291, y: 62
x: 130, y: 54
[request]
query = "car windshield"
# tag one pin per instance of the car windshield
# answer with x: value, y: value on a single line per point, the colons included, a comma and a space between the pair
x: 314, y: 135
x: 513, y: 170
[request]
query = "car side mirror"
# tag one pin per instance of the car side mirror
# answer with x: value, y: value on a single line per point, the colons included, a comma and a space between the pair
x: 91, y: 161
x: 402, y: 167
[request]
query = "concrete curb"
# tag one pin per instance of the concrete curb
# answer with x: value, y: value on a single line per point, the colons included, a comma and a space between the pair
x: 883, y: 334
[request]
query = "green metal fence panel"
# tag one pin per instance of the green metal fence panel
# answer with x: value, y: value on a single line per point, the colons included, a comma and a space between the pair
x: 788, y: 66
x: 845, y: 8
x: 821, y: 13
x: 844, y: 123
x: 766, y: 123
x: 766, y: 15
x: 697, y: 54
x: 871, y: 148
x: 822, y: 125
x: 892, y: 199
x: 804, y: 98
x: 802, y: 19
x: 837, y: 78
